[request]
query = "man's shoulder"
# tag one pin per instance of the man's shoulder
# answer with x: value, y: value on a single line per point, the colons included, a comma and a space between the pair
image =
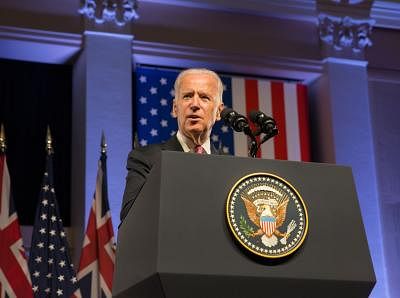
x: 171, y: 144
x: 146, y: 150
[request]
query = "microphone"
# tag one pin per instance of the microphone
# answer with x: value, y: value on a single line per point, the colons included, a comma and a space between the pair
x: 237, y: 121
x: 240, y: 123
x: 266, y: 124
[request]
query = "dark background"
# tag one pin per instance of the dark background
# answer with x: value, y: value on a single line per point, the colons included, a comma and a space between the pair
x: 33, y: 96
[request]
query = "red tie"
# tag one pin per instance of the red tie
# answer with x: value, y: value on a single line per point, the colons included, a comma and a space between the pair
x: 199, y: 149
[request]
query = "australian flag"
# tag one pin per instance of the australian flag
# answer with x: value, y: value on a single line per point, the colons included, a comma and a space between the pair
x: 52, y: 272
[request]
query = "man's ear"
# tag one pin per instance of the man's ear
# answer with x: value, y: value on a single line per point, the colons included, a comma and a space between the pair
x: 174, y: 109
x: 219, y: 110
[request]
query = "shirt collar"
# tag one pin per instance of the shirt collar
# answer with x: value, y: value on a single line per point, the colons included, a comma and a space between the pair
x: 184, y: 141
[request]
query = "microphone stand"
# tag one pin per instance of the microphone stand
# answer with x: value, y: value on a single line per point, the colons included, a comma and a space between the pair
x: 240, y: 123
x: 254, y: 145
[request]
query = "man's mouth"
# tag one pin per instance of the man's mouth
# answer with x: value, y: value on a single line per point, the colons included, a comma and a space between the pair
x: 194, y: 117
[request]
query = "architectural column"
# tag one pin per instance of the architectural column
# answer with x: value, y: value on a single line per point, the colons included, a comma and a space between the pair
x: 102, y: 101
x: 385, y: 107
x: 342, y: 108
x: 345, y: 136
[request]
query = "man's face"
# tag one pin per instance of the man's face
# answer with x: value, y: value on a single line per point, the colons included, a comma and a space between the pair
x: 196, y: 106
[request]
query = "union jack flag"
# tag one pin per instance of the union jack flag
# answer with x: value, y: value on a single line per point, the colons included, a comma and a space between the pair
x: 14, y: 274
x: 52, y: 272
x: 96, y: 266
x: 285, y: 101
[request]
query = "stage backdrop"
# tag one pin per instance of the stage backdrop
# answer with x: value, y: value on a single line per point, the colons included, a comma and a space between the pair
x: 285, y: 101
x: 32, y: 97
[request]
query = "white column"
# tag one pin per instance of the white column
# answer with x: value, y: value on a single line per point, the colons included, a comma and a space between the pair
x: 102, y: 101
x: 345, y: 137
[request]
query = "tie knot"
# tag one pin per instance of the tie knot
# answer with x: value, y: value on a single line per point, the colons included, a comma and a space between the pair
x: 199, y: 149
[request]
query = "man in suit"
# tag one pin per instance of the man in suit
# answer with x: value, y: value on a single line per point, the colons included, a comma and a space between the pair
x: 196, y: 106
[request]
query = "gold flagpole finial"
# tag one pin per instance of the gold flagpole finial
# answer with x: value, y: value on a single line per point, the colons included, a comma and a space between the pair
x: 103, y: 143
x: 3, y: 145
x: 49, y: 141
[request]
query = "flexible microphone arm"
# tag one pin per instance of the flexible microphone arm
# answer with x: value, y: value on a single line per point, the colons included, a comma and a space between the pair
x: 254, y: 146
x: 273, y: 132
x: 266, y: 125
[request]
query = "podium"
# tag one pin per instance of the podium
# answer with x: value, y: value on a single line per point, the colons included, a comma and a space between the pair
x: 175, y: 241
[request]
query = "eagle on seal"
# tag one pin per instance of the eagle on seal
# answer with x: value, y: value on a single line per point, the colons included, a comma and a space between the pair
x: 268, y: 214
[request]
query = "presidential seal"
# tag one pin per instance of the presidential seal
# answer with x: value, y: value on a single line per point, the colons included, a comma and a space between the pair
x: 267, y: 215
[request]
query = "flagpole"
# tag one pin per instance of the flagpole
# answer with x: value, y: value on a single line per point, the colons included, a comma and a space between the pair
x: 103, y: 144
x: 96, y: 265
x: 3, y: 145
x: 49, y: 142
x: 52, y: 272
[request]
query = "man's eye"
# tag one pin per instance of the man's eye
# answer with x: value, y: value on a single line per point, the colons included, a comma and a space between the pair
x: 186, y: 96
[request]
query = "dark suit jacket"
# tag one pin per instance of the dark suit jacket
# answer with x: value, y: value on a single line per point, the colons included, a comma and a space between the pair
x: 139, y: 164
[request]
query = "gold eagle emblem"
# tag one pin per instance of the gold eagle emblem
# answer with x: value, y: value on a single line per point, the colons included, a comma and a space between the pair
x: 268, y: 213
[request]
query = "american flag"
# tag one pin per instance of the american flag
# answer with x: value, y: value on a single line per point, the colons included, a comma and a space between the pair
x: 14, y: 274
x: 52, y: 272
x: 286, y: 102
x: 96, y: 265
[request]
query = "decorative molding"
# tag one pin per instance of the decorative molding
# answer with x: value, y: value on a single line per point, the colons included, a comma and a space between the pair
x: 350, y: 2
x: 386, y: 14
x: 344, y: 61
x: 305, y: 70
x: 354, y: 9
x: 42, y: 36
x: 99, y: 33
x: 383, y: 75
x: 345, y: 32
x: 44, y: 46
x: 120, y: 12
x: 304, y: 10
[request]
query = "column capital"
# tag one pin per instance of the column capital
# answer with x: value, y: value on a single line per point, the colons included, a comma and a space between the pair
x: 109, y: 12
x: 345, y: 32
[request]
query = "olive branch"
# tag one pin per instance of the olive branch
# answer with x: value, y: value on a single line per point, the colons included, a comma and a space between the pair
x: 245, y: 227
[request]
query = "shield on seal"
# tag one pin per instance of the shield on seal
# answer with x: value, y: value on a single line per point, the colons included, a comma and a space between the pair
x: 268, y: 224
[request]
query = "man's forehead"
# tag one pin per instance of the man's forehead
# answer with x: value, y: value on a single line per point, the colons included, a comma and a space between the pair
x: 204, y: 81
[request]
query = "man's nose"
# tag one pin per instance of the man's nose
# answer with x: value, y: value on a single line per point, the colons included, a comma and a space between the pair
x: 195, y: 103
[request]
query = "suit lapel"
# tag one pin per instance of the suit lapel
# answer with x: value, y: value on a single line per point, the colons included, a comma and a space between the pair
x: 172, y: 145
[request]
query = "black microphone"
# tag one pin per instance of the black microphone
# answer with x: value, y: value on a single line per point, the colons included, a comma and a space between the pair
x: 265, y: 123
x: 237, y: 121
x: 240, y: 123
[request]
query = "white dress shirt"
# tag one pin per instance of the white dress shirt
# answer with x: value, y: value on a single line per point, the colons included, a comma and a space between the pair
x: 184, y: 141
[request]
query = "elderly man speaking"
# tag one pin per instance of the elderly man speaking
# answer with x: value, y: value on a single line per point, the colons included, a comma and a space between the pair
x: 196, y: 106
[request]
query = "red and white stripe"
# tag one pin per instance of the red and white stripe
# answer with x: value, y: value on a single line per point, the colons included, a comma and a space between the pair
x: 287, y: 104
x: 268, y: 227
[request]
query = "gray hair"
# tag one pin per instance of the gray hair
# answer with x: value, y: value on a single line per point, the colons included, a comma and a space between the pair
x: 200, y: 71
